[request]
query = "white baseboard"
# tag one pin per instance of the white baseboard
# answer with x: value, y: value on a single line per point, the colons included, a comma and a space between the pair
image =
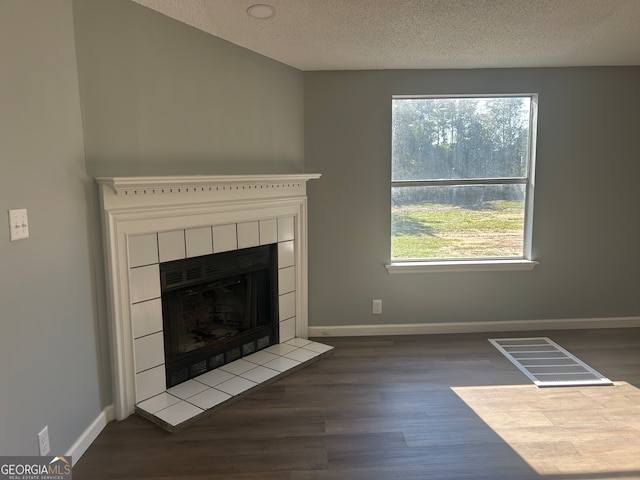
x: 472, y: 327
x: 90, y: 434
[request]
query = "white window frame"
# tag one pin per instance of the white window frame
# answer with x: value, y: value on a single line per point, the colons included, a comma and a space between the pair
x: 526, y: 262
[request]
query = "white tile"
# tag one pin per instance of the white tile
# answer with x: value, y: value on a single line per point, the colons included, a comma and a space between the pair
x: 150, y: 383
x: 268, y: 231
x: 280, y: 349
x: 225, y: 238
x: 318, y: 347
x: 159, y: 402
x: 146, y: 317
x: 260, y: 374
x: 214, y: 377
x: 148, y: 351
x: 248, y: 234
x: 209, y: 398
x: 287, y: 329
x: 285, y: 229
x: 144, y: 283
x: 301, y: 355
x: 298, y: 342
x: 286, y: 280
x: 286, y: 254
x: 178, y: 413
x: 287, y: 305
x: 238, y: 367
x: 236, y: 385
x: 261, y: 357
x: 187, y: 389
x: 143, y: 250
x: 199, y: 241
x: 282, y: 364
x: 171, y: 245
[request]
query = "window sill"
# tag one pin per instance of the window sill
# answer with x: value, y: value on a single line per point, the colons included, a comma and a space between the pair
x: 461, y: 266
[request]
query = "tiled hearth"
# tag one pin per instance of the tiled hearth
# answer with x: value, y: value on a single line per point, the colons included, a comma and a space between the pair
x: 151, y: 220
x: 180, y: 405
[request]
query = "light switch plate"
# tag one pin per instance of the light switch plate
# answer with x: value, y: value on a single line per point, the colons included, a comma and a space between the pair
x: 18, y: 224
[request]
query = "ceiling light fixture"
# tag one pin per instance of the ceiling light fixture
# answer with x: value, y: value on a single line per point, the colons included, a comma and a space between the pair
x: 261, y: 11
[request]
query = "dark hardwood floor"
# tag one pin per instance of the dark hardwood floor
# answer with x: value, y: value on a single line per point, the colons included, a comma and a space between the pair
x: 409, y: 407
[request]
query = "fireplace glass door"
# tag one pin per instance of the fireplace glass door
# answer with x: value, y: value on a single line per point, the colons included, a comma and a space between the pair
x: 218, y: 308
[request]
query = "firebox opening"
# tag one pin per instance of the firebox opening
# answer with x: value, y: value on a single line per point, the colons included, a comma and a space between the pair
x: 218, y: 308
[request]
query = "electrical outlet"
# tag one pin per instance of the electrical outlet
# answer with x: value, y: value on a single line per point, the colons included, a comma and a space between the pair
x: 43, y: 441
x: 377, y: 307
x: 18, y: 224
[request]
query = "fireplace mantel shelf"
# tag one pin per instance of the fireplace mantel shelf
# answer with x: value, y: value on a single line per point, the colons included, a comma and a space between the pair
x: 202, y: 183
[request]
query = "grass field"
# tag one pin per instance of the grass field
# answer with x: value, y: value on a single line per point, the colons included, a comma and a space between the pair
x: 438, y: 231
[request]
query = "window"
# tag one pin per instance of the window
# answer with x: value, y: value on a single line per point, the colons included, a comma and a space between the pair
x: 462, y: 179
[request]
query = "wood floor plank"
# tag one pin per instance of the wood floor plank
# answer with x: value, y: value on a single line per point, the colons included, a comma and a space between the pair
x: 447, y: 407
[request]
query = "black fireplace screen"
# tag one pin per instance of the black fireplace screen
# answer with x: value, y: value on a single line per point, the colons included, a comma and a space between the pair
x: 218, y: 308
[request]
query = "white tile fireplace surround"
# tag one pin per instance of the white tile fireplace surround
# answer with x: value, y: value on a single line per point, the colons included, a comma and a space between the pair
x: 150, y: 220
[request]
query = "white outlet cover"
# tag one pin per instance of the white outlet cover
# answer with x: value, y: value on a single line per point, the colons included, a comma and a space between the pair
x: 377, y: 307
x: 43, y: 441
x: 18, y: 224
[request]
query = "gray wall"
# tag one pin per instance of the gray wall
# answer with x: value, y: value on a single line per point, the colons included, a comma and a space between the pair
x: 48, y: 355
x: 159, y: 97
x: 151, y: 97
x: 586, y: 231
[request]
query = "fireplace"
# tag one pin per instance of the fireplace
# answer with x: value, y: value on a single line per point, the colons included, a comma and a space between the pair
x: 218, y: 308
x: 153, y: 221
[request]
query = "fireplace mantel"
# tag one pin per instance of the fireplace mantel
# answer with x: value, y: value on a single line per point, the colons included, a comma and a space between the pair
x: 200, y: 183
x: 135, y: 207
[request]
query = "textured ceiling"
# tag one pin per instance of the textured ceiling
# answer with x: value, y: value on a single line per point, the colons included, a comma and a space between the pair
x: 407, y: 34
